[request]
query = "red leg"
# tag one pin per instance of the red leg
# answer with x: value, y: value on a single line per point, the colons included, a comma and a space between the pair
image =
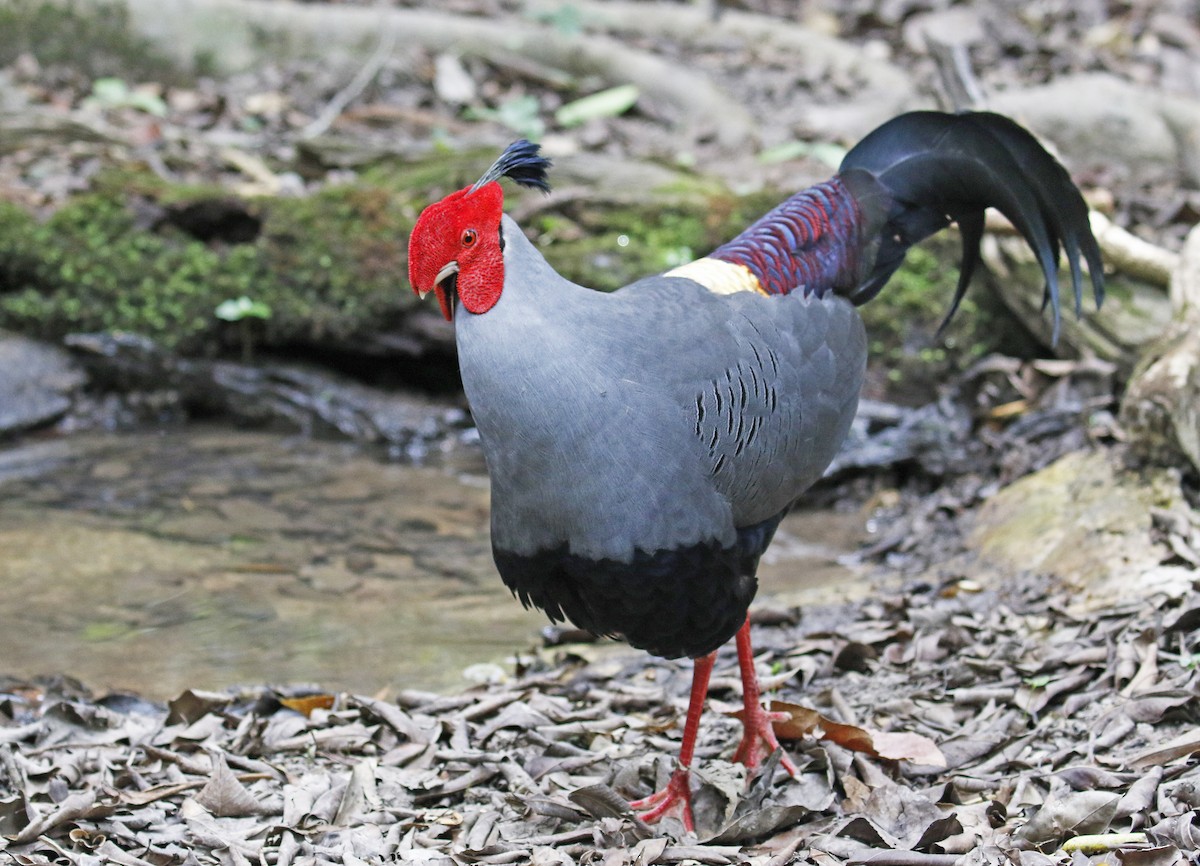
x: 758, y: 739
x: 676, y: 798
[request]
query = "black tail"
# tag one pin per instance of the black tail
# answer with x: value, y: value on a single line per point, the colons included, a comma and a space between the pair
x: 919, y: 171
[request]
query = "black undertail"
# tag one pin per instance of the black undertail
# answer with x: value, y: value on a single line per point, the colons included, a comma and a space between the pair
x: 686, y: 601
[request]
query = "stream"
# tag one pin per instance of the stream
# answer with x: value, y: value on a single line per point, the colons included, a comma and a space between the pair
x: 209, y: 557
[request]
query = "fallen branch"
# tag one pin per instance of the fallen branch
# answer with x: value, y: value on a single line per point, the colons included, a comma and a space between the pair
x: 334, y: 108
x: 1132, y: 317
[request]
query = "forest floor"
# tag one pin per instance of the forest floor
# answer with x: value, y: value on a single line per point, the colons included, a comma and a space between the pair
x: 931, y: 723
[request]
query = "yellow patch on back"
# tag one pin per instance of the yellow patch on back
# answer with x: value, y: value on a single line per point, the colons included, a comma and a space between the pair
x: 724, y: 278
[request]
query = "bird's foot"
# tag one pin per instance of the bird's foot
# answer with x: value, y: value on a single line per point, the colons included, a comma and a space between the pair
x: 759, y: 740
x: 675, y: 799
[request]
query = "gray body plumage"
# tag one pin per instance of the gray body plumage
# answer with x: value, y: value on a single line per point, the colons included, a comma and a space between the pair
x: 655, y: 418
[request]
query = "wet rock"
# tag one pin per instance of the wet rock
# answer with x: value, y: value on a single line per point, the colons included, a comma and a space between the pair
x: 250, y: 515
x: 269, y: 394
x: 38, y: 382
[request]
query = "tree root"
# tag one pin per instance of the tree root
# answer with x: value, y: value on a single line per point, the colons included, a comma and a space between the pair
x: 881, y: 88
x: 230, y: 32
x: 1161, y: 408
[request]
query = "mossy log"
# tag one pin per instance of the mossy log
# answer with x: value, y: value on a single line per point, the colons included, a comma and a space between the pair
x: 141, y: 255
x: 1150, y: 330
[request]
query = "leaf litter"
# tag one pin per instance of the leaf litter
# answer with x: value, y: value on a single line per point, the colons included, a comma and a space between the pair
x: 963, y: 727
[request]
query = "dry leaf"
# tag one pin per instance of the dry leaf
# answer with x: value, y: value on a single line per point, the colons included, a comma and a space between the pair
x: 600, y: 801
x: 906, y: 746
x: 158, y: 792
x: 305, y: 704
x: 75, y: 807
x: 1187, y: 743
x: 194, y: 704
x: 892, y: 746
x: 360, y: 796
x: 758, y: 824
x: 224, y: 796
x: 1180, y: 830
x: 805, y: 721
x: 1077, y: 813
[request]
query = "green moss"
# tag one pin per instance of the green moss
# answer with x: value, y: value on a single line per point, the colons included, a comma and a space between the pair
x: 606, y: 248
x: 917, y: 298
x: 326, y: 266
x: 94, y: 39
x: 105, y: 630
x: 902, y: 322
x: 330, y: 266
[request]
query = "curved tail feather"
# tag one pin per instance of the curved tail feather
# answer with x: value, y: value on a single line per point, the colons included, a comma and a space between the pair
x: 919, y: 171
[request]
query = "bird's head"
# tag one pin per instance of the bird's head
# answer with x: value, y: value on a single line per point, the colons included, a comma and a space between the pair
x: 456, y: 247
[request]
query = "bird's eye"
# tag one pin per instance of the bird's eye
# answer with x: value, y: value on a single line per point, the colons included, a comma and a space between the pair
x: 468, y: 238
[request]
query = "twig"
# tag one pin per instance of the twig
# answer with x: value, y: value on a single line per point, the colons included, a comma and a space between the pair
x: 958, y: 80
x: 474, y: 777
x: 263, y: 180
x: 716, y: 855
x: 1101, y: 842
x: 784, y: 855
x: 364, y: 76
x: 907, y: 858
x: 1132, y: 255
x: 553, y: 840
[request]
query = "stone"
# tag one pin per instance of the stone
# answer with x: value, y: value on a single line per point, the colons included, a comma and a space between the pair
x: 38, y: 382
x: 1084, y: 520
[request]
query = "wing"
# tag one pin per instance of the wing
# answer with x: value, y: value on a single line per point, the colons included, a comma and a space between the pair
x: 768, y: 386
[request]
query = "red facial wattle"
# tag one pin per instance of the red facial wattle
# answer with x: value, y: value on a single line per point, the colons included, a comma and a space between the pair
x: 455, y: 248
x: 442, y: 288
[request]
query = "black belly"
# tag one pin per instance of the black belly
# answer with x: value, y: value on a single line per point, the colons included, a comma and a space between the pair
x: 685, y: 601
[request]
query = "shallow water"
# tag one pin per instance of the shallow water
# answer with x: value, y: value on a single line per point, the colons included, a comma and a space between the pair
x: 209, y: 558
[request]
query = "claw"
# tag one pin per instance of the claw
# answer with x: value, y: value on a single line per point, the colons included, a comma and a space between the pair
x: 759, y: 740
x: 675, y: 800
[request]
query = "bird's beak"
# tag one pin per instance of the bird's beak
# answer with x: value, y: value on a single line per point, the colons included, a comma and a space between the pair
x: 445, y: 283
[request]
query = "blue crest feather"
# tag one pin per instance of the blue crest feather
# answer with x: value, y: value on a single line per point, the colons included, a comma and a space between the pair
x: 521, y: 162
